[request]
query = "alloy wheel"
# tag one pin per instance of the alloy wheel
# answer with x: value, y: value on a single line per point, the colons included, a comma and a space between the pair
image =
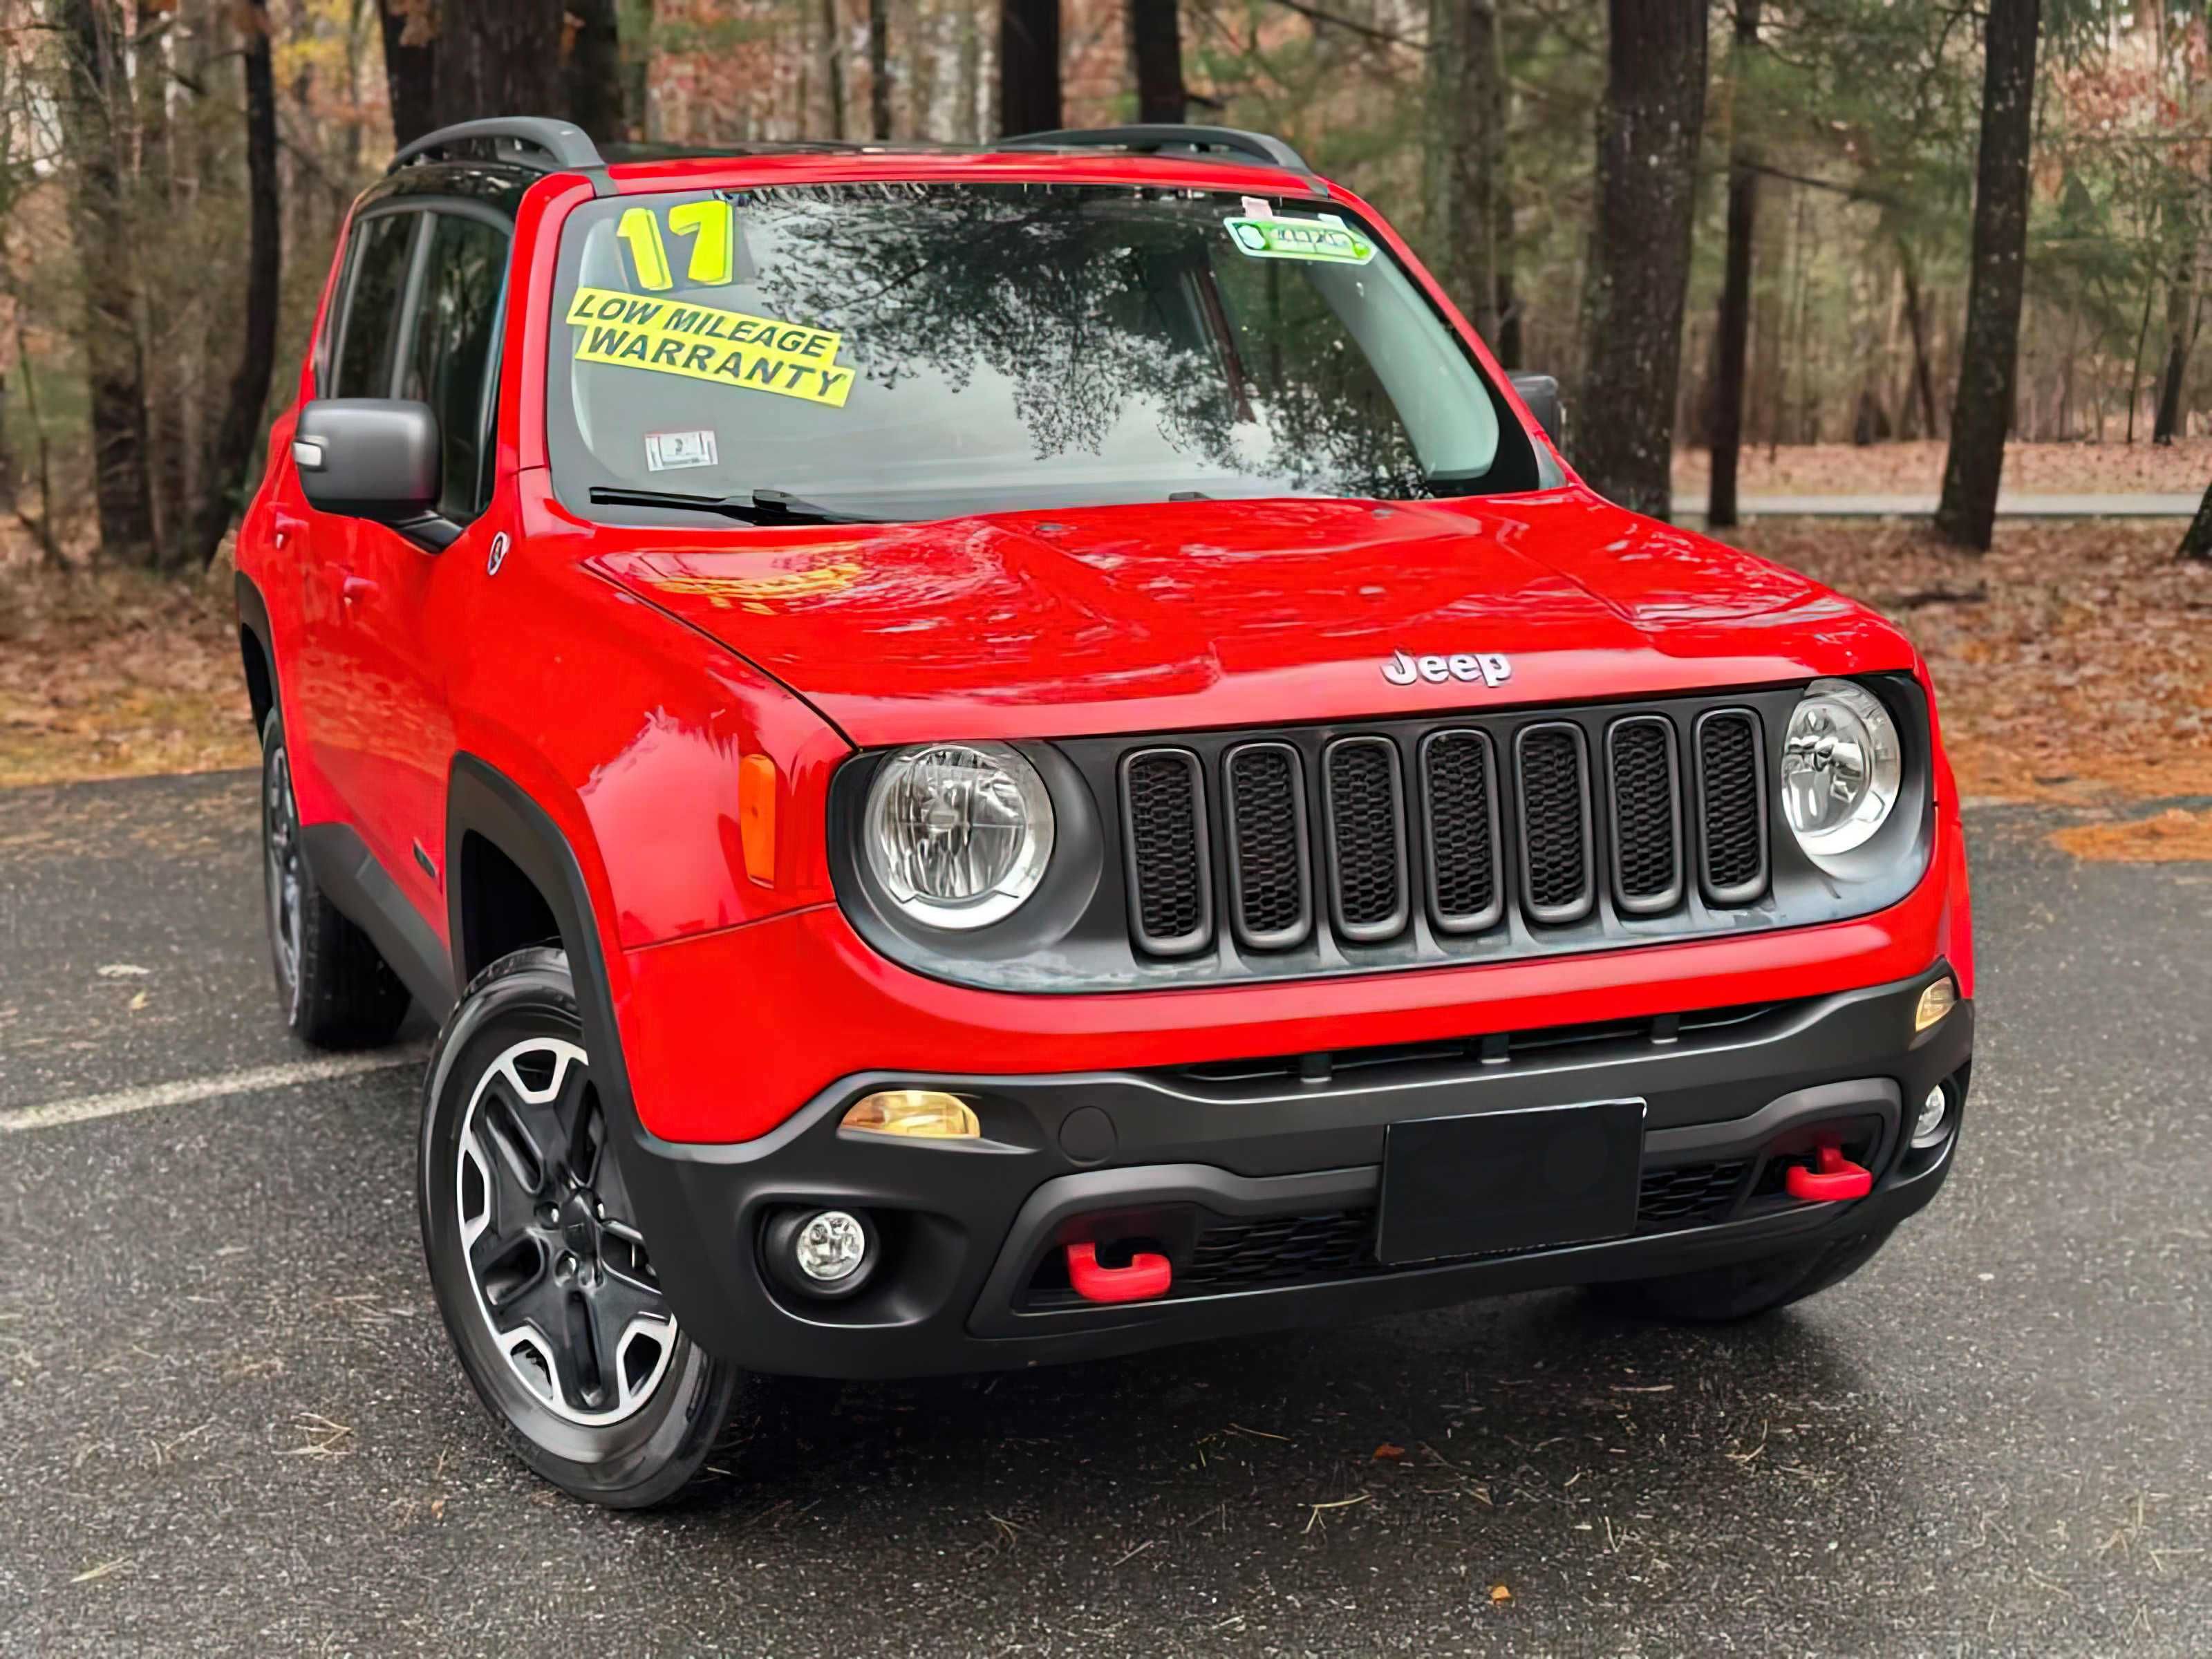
x: 556, y: 1263
x: 280, y: 836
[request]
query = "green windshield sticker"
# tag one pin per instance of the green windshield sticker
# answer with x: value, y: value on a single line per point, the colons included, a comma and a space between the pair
x: 707, y: 342
x: 1329, y: 240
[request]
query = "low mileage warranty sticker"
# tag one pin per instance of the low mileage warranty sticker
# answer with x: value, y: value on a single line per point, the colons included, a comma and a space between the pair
x: 1328, y: 240
x: 710, y: 344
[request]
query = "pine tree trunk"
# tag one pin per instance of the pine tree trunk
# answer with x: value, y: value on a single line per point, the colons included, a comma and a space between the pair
x: 1156, y: 58
x: 1647, y: 165
x: 1466, y: 111
x: 1734, y: 346
x: 230, y: 451
x: 1923, y: 381
x: 499, y: 58
x: 595, y: 69
x: 92, y: 93
x: 879, y: 69
x: 1990, y: 351
x: 1029, y: 66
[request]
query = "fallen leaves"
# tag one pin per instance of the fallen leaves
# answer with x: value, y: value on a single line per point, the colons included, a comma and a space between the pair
x: 1916, y: 469
x: 2072, y: 662
x: 2173, y: 836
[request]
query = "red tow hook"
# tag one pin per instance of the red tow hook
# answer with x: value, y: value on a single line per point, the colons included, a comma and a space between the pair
x: 1146, y: 1276
x: 1838, y: 1177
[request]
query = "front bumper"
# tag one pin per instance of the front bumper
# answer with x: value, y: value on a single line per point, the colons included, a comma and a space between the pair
x: 1261, y: 1186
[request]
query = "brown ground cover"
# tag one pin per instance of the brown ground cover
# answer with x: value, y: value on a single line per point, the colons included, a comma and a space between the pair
x: 1916, y: 468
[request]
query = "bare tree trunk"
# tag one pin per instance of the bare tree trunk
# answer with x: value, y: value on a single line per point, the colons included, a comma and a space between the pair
x: 1029, y: 66
x: 594, y: 70
x: 410, y: 33
x: 1647, y: 157
x: 879, y: 69
x: 230, y: 451
x: 2180, y: 335
x: 92, y: 93
x: 1507, y: 343
x: 833, y: 67
x: 637, y: 43
x: 1735, y: 320
x: 1924, y: 382
x: 499, y: 58
x: 1156, y: 58
x: 160, y: 303
x: 1990, y: 352
x: 2196, y: 540
x: 1465, y: 110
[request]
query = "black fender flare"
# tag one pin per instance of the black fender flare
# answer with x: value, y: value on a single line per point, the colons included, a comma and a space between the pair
x: 482, y: 800
x: 253, y: 618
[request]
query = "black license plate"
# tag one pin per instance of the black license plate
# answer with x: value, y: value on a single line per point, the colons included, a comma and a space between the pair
x: 1510, y: 1180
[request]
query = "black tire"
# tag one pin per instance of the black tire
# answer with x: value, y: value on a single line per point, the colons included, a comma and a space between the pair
x: 1747, y: 1289
x: 541, y: 1275
x: 337, y: 991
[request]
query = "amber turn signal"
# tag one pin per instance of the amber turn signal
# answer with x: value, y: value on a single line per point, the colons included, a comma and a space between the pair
x: 925, y: 1113
x: 1937, y: 1001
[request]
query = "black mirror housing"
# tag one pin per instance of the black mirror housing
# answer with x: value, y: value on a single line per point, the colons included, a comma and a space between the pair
x: 369, y: 457
x: 1541, y: 394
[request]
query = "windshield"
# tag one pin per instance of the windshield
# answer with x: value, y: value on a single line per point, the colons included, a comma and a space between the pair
x: 922, y: 350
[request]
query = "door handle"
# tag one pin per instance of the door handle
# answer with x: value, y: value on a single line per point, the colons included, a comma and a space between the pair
x: 353, y: 588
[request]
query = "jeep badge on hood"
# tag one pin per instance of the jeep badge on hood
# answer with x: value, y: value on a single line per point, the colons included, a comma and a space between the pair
x: 1488, y: 666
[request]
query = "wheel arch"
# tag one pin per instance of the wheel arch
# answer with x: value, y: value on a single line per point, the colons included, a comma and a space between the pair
x: 256, y: 651
x: 496, y: 835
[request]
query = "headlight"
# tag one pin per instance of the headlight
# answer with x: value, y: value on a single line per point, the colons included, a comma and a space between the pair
x: 1841, y: 768
x: 959, y: 834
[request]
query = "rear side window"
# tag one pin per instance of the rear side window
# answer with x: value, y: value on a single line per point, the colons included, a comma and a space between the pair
x: 449, y: 349
x: 372, y: 319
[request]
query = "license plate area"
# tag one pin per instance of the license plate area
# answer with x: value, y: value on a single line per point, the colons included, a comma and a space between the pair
x: 1510, y: 1180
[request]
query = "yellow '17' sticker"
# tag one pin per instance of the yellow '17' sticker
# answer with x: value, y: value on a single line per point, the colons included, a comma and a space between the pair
x: 710, y: 344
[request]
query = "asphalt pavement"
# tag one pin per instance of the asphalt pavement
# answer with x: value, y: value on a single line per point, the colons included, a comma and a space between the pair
x: 231, y: 1424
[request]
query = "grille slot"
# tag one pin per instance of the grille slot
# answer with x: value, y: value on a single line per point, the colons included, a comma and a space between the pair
x: 1366, y: 825
x: 1164, y: 841
x: 1688, y: 1196
x: 1459, y: 802
x: 1731, y: 806
x: 1552, y: 767
x: 1280, y: 1249
x: 1270, y: 869
x: 1644, y: 776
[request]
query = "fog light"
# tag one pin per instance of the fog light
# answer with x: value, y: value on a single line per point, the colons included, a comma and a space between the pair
x: 923, y: 1113
x: 1928, y: 1127
x: 1937, y: 1001
x: 830, y: 1245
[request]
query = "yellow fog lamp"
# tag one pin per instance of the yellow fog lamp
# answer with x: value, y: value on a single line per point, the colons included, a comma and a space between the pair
x: 1937, y: 1001
x: 923, y: 1114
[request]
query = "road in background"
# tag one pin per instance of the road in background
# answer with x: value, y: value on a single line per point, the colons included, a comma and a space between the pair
x: 232, y: 1425
x: 1691, y: 504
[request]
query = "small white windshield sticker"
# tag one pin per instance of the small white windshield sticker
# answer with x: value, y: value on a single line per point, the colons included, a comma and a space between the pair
x: 669, y: 451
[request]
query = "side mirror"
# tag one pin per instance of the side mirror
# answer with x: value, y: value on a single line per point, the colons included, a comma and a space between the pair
x: 1541, y: 394
x: 369, y: 457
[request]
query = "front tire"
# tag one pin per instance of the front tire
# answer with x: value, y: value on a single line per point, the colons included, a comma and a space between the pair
x: 337, y: 991
x: 1745, y: 1290
x: 541, y: 1271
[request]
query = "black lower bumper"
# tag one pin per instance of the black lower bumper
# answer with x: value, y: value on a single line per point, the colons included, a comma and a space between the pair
x: 1260, y: 1185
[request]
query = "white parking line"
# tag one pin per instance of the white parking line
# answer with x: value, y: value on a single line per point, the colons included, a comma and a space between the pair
x: 252, y: 1080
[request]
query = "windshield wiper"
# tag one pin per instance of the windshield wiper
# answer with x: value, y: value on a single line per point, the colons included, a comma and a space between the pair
x: 758, y: 507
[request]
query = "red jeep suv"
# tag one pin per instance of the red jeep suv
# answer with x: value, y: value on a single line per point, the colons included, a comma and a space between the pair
x: 1009, y: 756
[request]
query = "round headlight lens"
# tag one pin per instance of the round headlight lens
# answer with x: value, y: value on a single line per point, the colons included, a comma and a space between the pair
x: 1841, y: 768
x: 959, y: 834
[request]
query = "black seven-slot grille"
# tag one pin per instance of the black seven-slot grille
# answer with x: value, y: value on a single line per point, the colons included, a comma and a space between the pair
x: 1458, y: 822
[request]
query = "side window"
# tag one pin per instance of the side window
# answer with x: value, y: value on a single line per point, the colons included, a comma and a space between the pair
x: 449, y: 348
x: 378, y: 285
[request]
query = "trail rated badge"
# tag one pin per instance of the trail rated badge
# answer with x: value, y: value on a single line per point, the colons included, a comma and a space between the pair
x: 1327, y: 242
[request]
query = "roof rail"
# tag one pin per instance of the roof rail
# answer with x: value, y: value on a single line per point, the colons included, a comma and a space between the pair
x: 529, y: 140
x: 1222, y: 144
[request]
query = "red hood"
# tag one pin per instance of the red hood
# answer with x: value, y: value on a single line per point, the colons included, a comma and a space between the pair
x: 1208, y: 613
